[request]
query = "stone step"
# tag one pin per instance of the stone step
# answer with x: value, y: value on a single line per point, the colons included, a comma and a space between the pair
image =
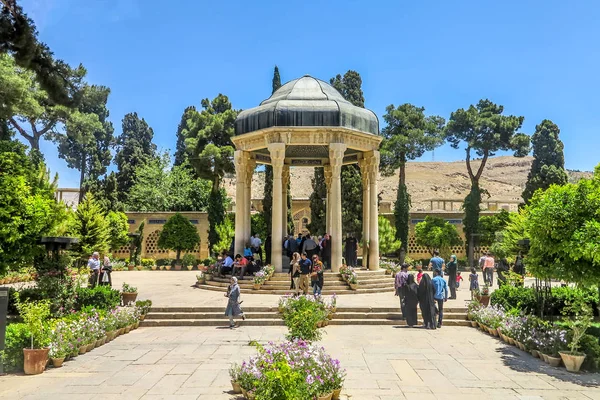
x: 276, y: 315
x: 325, y: 292
x: 260, y: 309
x: 278, y: 322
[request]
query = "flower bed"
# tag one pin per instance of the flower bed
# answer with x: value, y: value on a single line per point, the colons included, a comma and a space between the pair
x: 543, y: 339
x: 290, y: 370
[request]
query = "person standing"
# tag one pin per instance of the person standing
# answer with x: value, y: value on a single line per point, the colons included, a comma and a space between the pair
x: 94, y: 266
x: 326, y: 250
x: 440, y: 294
x: 426, y: 302
x: 106, y: 279
x: 411, y: 299
x: 451, y: 268
x: 268, y: 250
x: 295, y: 272
x: 310, y: 247
x: 437, y: 262
x: 473, y: 282
x: 255, y: 245
x: 400, y: 286
x: 351, y: 250
x: 305, y: 270
x: 519, y: 267
x: 291, y: 246
x: 501, y: 268
x: 233, y: 305
x: 317, y: 276
x: 488, y: 270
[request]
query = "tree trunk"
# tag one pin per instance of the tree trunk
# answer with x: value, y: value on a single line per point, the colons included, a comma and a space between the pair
x: 177, y: 256
x: 81, y: 177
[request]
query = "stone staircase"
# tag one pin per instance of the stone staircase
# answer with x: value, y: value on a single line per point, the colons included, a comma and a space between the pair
x: 269, y: 316
x: 369, y: 282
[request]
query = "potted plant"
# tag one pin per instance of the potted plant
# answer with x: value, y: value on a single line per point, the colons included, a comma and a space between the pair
x: 144, y: 307
x: 211, y: 270
x: 573, y: 358
x: 353, y: 281
x: 130, y: 267
x: 234, y: 373
x: 128, y: 294
x: 34, y: 314
x: 483, y: 296
x: 200, y: 278
x: 259, y: 278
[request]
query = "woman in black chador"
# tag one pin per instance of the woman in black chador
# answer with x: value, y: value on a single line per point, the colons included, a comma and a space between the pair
x: 426, y: 302
x: 411, y: 299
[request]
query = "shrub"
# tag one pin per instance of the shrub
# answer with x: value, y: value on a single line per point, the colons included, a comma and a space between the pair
x: 127, y: 288
x: 590, y: 345
x: 515, y: 297
x: 164, y: 261
x: 208, y: 261
x: 148, y: 262
x: 301, y: 316
x: 101, y: 297
x: 18, y: 337
x: 188, y: 259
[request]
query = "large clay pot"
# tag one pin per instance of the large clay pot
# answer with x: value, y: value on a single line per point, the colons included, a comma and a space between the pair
x: 554, y: 361
x: 130, y: 267
x: 336, y: 394
x: 34, y: 361
x: 484, y: 300
x: 236, y: 387
x: 208, y: 277
x: 572, y: 361
x: 128, y: 297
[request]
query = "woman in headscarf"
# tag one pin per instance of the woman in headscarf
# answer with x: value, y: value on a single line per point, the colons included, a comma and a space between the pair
x: 426, y: 302
x: 233, y: 305
x: 451, y: 270
x: 295, y: 271
x: 411, y: 298
x: 317, y: 276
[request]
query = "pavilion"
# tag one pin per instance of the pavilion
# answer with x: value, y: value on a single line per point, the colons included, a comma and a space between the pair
x: 307, y: 123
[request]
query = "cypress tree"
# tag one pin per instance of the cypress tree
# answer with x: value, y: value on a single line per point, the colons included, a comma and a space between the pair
x: 268, y: 190
x: 548, y: 165
x: 317, y: 203
x: 182, y: 129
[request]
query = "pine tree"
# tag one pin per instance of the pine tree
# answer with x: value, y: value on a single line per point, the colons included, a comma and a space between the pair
x: 182, y: 130
x: 268, y: 189
x: 548, y: 165
x: 178, y: 234
x: 90, y: 227
x: 134, y: 149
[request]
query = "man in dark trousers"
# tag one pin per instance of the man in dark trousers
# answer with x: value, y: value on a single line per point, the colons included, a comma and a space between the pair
x: 305, y: 271
x: 326, y: 250
x: 351, y: 246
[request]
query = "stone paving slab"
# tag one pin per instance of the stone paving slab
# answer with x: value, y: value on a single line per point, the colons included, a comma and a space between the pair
x: 383, y: 363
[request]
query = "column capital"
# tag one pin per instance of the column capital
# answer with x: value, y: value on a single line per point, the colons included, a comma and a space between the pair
x: 277, y: 152
x: 240, y: 160
x: 372, y: 163
x: 336, y: 158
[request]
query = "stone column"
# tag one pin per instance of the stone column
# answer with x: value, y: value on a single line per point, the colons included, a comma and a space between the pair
x: 327, y: 173
x: 336, y: 158
x: 373, y: 160
x: 285, y: 179
x: 363, y: 164
x: 277, y: 151
x: 250, y: 167
x: 240, y: 158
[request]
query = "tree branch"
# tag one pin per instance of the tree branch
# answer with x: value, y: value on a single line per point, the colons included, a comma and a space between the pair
x: 469, y: 169
x: 482, y: 166
x: 47, y: 127
x: 20, y: 129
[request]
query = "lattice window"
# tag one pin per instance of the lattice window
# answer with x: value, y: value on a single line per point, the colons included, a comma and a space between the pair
x: 123, y: 250
x: 152, y: 244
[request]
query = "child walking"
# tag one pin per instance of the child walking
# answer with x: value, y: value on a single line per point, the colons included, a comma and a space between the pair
x: 419, y: 273
x: 458, y: 279
x: 474, y: 280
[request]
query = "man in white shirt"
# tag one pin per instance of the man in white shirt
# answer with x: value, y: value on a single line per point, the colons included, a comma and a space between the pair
x: 227, y: 264
x: 94, y: 266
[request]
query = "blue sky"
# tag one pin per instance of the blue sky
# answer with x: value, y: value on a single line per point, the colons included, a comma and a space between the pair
x: 540, y: 59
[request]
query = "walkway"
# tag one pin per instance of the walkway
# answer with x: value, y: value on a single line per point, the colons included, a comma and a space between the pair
x: 383, y: 362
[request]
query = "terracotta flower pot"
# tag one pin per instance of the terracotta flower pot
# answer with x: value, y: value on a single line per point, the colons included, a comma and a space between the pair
x: 572, y: 361
x: 83, y: 349
x: 484, y: 300
x: 34, y: 361
x: 208, y: 277
x: 90, y: 347
x: 554, y: 361
x: 256, y: 286
x: 535, y: 353
x: 98, y: 343
x: 474, y: 324
x: 336, y: 394
x: 326, y: 396
x: 190, y: 267
x: 103, y: 340
x: 495, y: 332
x: 153, y: 267
x: 236, y: 387
x: 128, y: 297
x: 136, y: 325
x: 57, y: 362
x: 130, y: 267
x: 127, y: 328
x: 201, y: 281
x: 177, y: 267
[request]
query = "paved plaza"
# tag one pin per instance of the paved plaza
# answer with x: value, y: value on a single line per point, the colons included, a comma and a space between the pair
x: 383, y: 362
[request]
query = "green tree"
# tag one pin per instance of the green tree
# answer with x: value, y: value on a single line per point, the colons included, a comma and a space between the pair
x: 178, y: 234
x: 388, y: 243
x: 258, y: 225
x: 18, y: 37
x: 159, y: 189
x: 548, y: 165
x: 350, y: 87
x: 29, y: 209
x: 318, y: 212
x: 485, y: 131
x: 489, y: 225
x: 407, y: 136
x: 436, y: 233
x: 181, y: 156
x: 134, y: 150
x: 268, y: 190
x: 209, y: 143
x: 106, y: 193
x: 509, y: 241
x: 118, y: 229
x: 564, y: 226
x: 90, y: 226
x: 88, y: 138
x: 226, y: 232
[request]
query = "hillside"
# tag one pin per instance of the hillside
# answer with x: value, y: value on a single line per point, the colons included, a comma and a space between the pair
x: 504, y: 178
